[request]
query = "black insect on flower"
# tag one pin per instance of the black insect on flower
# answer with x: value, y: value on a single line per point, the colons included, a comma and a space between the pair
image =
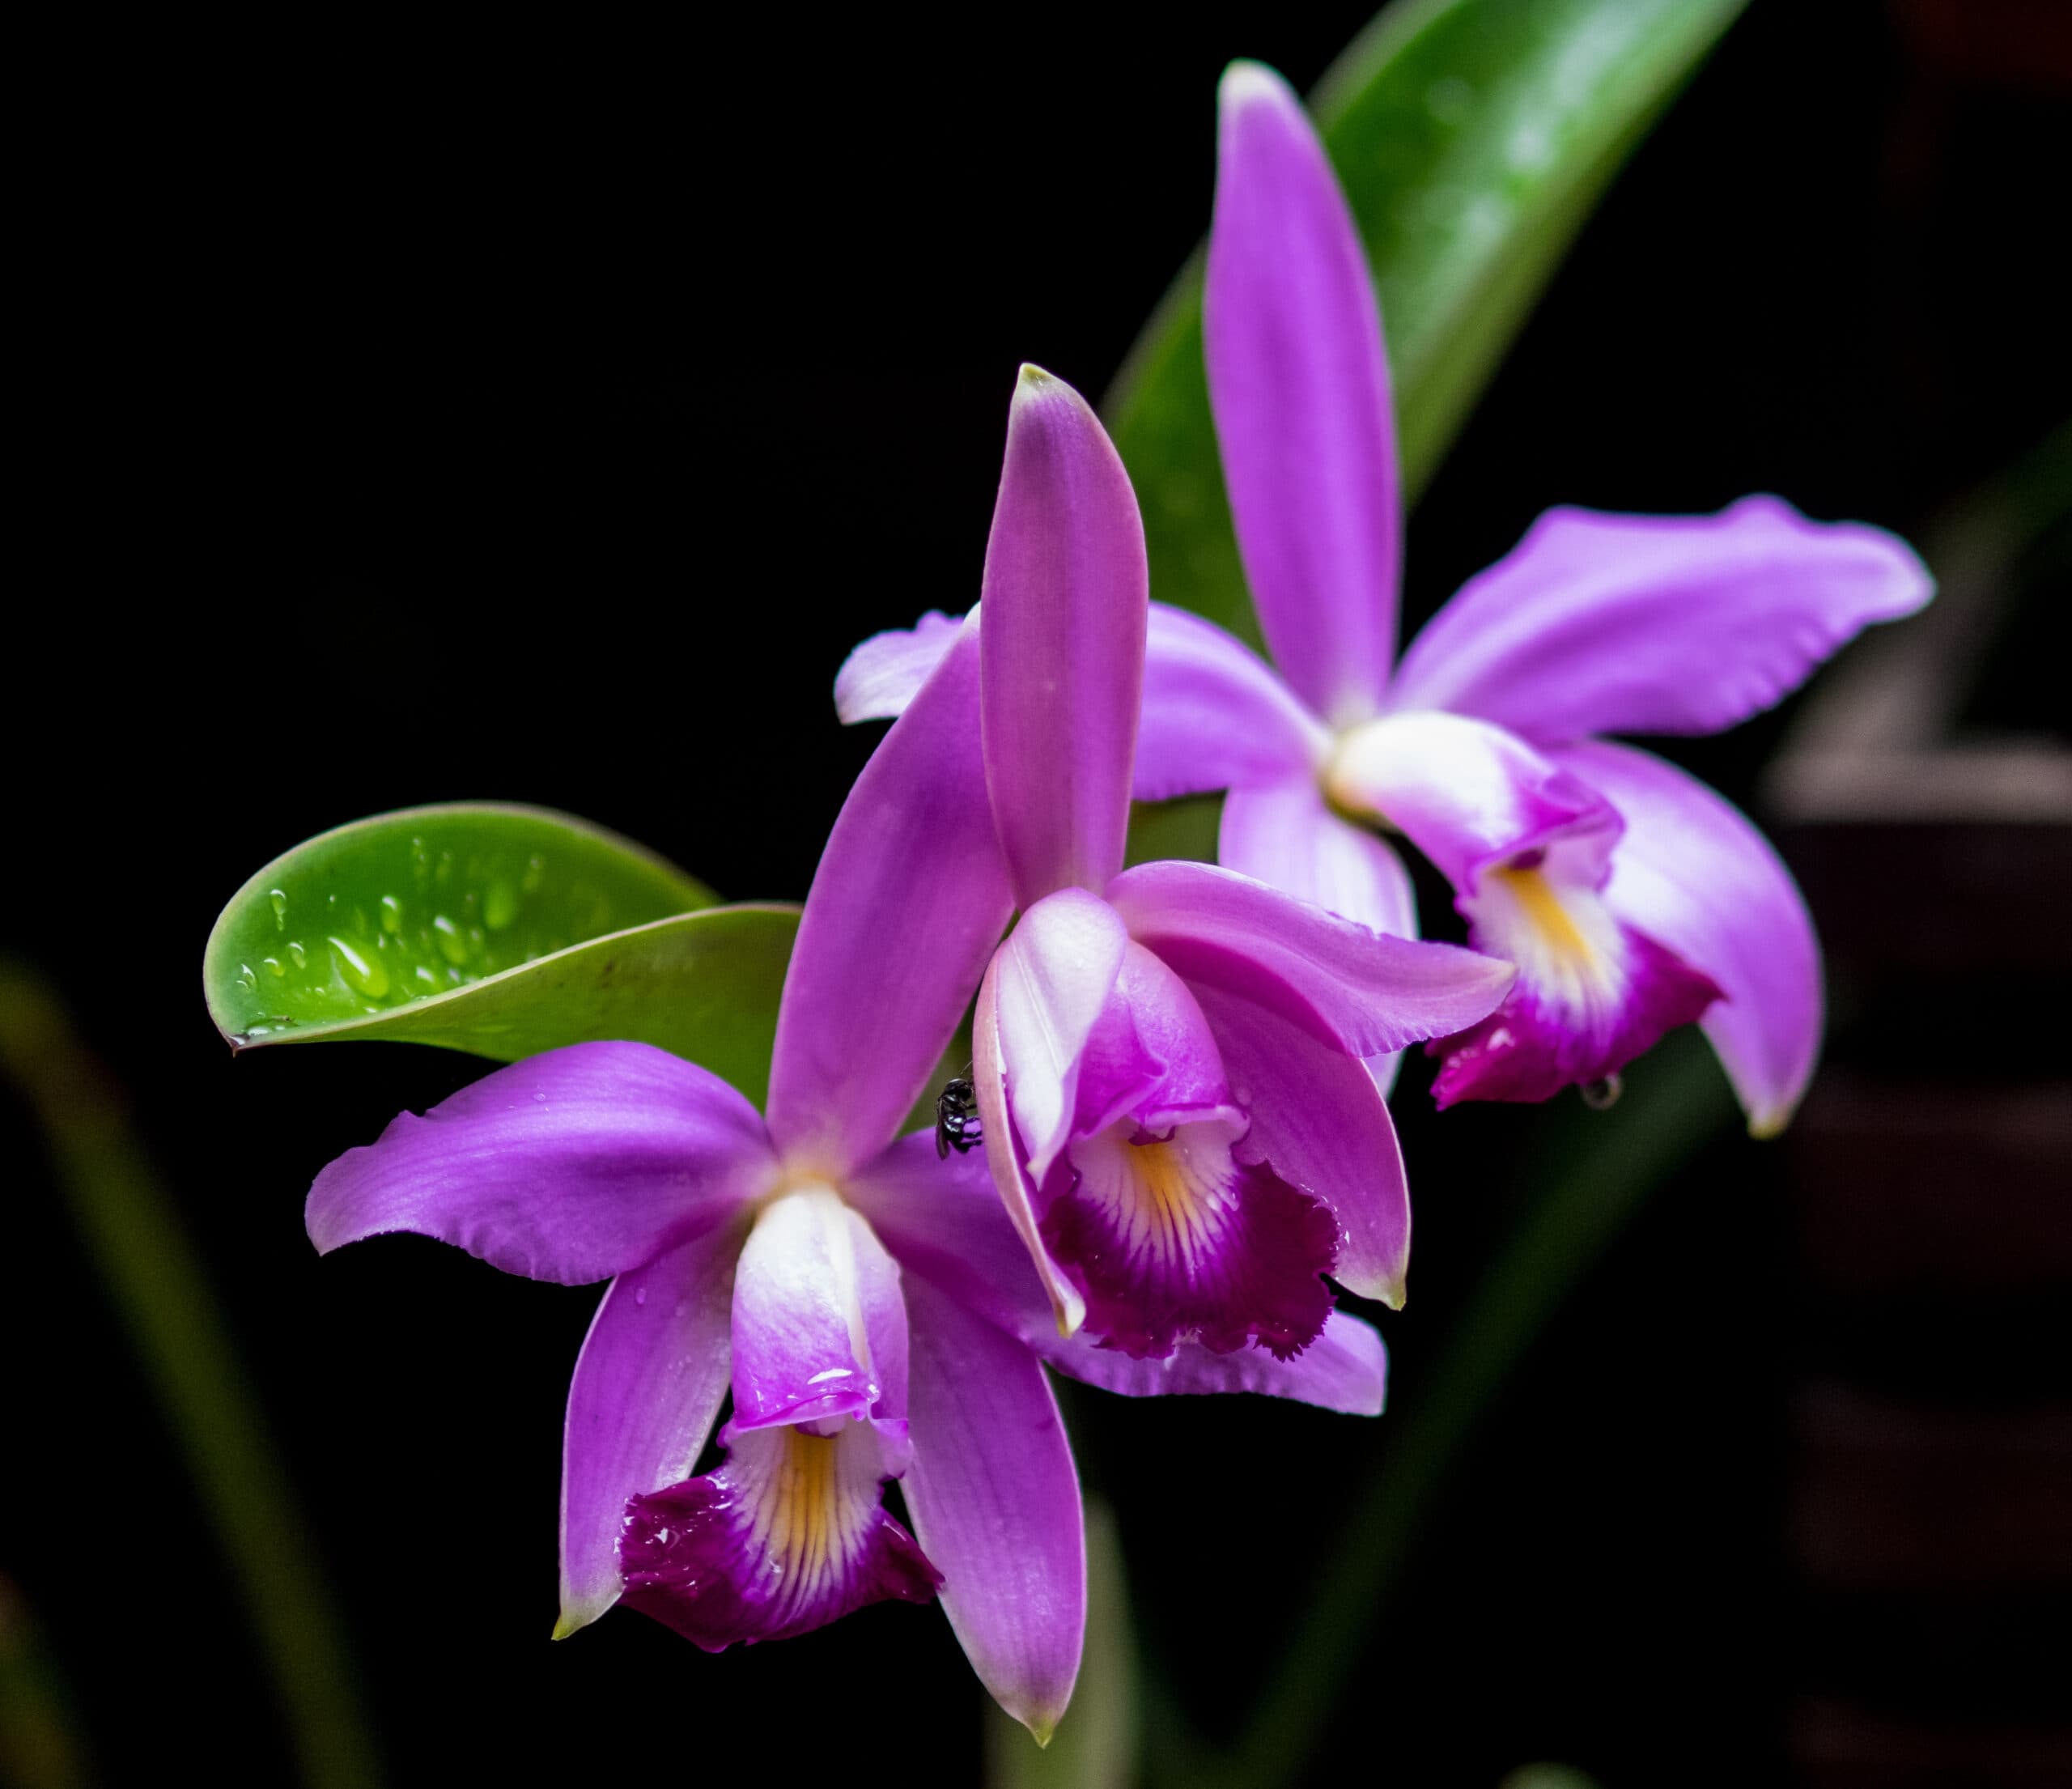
x: 957, y: 1118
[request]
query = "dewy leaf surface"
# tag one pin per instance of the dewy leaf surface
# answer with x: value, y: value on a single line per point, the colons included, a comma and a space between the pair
x: 1473, y: 138
x: 499, y: 930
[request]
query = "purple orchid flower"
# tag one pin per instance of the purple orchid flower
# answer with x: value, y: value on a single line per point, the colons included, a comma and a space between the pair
x: 870, y: 1307
x: 1632, y: 898
x: 1168, y: 1059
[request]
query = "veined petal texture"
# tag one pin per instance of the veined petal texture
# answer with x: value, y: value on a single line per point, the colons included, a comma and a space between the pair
x: 1062, y: 643
x: 819, y: 1330
x: 1662, y: 624
x: 908, y: 902
x: 1299, y: 385
x: 1693, y: 872
x: 572, y: 1165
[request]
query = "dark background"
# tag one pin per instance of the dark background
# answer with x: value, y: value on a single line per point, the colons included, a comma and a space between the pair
x: 543, y: 419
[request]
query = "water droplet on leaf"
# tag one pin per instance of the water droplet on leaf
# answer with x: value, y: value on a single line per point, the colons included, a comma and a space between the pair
x: 1601, y: 1096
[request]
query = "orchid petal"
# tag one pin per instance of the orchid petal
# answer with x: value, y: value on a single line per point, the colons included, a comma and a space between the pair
x: 1470, y: 795
x: 1063, y: 643
x: 1282, y: 834
x: 572, y: 1165
x: 648, y: 1386
x: 882, y: 676
x: 1322, y: 1120
x: 1665, y: 624
x: 1341, y: 983
x: 789, y: 1534
x: 1344, y: 1369
x: 995, y: 1500
x: 1053, y: 978
x: 1693, y: 872
x: 909, y: 898
x: 1017, y: 1192
x: 819, y: 1330
x: 1216, y: 715
x: 1299, y: 384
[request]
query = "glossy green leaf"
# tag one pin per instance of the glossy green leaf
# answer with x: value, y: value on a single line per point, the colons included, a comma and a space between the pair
x: 1473, y: 138
x: 499, y: 930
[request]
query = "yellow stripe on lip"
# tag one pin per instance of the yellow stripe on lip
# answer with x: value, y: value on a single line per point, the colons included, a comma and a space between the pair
x: 1542, y: 908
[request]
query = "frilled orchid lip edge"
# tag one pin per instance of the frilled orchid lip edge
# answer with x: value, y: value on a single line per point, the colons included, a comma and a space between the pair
x: 788, y: 1534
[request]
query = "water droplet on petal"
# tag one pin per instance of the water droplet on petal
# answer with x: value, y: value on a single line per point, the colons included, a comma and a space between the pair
x: 452, y: 946
x: 279, y: 902
x: 1601, y: 1096
x: 500, y: 905
x: 392, y: 914
x: 364, y: 975
x: 296, y: 954
x: 245, y: 978
x: 640, y: 1294
x: 272, y: 966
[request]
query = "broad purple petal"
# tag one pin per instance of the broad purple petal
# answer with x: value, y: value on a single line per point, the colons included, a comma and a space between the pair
x: 885, y: 673
x: 572, y: 1165
x: 1299, y: 384
x: 1065, y: 594
x: 1694, y: 872
x: 788, y: 1535
x: 818, y: 1328
x: 1342, y: 983
x: 1216, y: 715
x: 994, y: 1501
x: 1344, y: 1369
x: 908, y: 902
x: 1321, y: 1118
x: 647, y: 1388
x: 1283, y: 835
x: 1469, y: 795
x: 1664, y: 624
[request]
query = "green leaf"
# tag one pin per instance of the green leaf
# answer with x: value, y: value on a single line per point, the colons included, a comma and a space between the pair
x: 1473, y: 138
x: 499, y: 930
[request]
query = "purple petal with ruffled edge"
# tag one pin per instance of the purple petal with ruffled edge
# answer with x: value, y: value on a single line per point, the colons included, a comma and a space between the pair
x: 908, y: 902
x: 1693, y: 872
x: 1340, y: 983
x: 788, y: 1535
x: 1345, y: 1369
x: 885, y: 673
x: 647, y: 1388
x: 994, y: 1499
x: 572, y: 1165
x: 1216, y: 715
x: 1321, y: 1118
x: 1299, y: 384
x: 1281, y: 834
x: 1468, y: 795
x: 943, y: 1222
x: 1065, y: 595
x: 1668, y: 624
x: 818, y: 1328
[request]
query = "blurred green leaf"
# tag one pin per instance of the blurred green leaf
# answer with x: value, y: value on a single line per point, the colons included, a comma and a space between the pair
x: 1473, y: 138
x: 132, y: 1234
x: 40, y: 1747
x: 1548, y: 1776
x: 1096, y: 1744
x: 499, y: 930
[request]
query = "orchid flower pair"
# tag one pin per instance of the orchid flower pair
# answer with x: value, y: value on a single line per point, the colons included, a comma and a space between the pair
x: 1170, y: 1085
x: 1631, y: 897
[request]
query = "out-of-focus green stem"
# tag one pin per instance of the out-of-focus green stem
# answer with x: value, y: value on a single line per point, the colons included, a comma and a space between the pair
x: 153, y: 1279
x: 1675, y: 1105
x: 38, y: 1746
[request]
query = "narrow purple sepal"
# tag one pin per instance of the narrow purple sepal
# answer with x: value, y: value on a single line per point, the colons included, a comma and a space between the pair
x: 788, y: 1535
x: 572, y: 1165
x: 646, y: 1390
x: 1656, y: 624
x: 1299, y: 384
x: 908, y: 902
x: 994, y: 1499
x: 1062, y: 642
